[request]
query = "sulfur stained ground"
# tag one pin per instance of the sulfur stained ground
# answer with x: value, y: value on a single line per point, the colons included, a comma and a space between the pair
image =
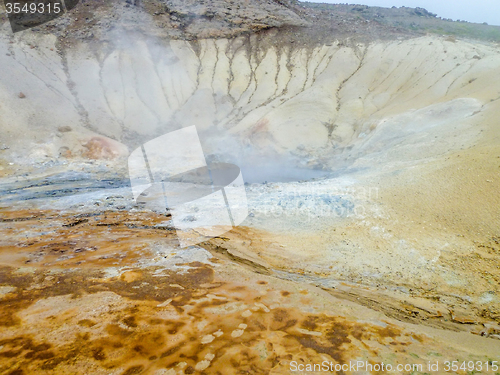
x: 88, y: 295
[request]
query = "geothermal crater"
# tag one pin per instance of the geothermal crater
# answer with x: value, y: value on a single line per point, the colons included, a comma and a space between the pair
x: 371, y: 156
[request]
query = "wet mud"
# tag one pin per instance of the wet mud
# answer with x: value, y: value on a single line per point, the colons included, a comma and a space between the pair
x: 90, y: 293
x: 142, y: 322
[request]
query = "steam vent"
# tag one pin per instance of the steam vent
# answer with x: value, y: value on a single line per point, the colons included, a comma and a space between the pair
x: 248, y: 187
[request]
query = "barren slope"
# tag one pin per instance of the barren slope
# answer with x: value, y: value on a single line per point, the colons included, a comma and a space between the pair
x: 401, y: 134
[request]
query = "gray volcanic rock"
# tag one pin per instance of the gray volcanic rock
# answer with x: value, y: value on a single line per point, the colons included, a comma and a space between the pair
x: 218, y: 17
x: 299, y: 22
x: 176, y: 19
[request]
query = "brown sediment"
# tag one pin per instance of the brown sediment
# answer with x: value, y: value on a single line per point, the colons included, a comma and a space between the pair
x: 77, y: 299
x: 83, y: 240
x: 94, y: 241
x: 137, y: 334
x: 420, y: 306
x: 223, y: 253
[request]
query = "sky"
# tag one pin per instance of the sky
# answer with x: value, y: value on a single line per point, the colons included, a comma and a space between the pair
x: 469, y: 10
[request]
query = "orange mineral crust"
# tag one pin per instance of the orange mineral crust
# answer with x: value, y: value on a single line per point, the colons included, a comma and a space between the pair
x: 94, y: 295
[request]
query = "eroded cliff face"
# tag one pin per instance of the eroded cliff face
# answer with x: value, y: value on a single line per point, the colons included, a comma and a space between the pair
x: 327, y: 106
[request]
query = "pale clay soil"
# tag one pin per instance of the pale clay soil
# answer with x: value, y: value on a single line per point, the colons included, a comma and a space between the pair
x: 390, y: 255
